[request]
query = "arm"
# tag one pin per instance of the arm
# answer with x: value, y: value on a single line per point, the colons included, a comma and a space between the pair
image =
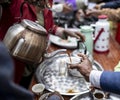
x: 112, y: 4
x: 106, y: 80
x: 57, y: 8
x: 113, y: 14
x: 110, y: 81
x: 65, y: 8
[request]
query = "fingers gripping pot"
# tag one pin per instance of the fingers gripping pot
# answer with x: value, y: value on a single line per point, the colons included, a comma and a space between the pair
x: 26, y: 41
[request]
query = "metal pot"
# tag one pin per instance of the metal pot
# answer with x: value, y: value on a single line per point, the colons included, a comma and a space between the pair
x: 26, y: 41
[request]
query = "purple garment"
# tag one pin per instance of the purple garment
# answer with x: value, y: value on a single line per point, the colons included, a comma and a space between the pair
x: 72, y: 3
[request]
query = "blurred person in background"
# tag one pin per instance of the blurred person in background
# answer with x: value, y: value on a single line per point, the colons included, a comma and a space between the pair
x: 113, y: 14
x: 110, y: 4
x: 80, y: 19
x: 112, y: 10
x: 61, y: 7
x: 107, y: 7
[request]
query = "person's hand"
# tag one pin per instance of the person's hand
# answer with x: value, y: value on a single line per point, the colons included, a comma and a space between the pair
x: 98, y: 6
x: 76, y: 34
x: 84, y: 67
x: 93, y: 12
x: 66, y: 8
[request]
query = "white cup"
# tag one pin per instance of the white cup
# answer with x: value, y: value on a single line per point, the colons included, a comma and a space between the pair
x: 38, y: 88
x: 99, y: 95
x: 62, y: 68
x: 73, y: 60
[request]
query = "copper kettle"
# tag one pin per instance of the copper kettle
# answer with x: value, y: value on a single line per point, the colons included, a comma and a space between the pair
x: 26, y: 41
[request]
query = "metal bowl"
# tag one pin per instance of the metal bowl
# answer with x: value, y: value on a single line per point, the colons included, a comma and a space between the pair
x: 45, y: 96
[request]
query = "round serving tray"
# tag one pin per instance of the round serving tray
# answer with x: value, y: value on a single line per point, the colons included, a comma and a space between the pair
x: 48, y: 73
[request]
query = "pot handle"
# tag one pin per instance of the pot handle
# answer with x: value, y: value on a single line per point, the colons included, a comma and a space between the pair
x: 18, y: 46
x: 81, y: 46
x: 93, y: 26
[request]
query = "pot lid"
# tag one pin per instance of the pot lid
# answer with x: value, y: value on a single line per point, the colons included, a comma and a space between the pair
x: 86, y: 28
x: 34, y: 26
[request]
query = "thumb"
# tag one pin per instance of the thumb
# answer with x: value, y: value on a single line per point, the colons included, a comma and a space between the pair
x: 73, y: 66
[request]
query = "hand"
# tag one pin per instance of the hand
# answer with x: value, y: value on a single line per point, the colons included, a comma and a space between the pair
x: 93, y: 12
x: 98, y: 6
x: 66, y: 8
x: 84, y: 67
x: 76, y: 34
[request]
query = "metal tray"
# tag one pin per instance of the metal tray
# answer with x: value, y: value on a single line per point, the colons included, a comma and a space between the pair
x: 45, y: 96
x: 85, y: 96
x: 48, y: 74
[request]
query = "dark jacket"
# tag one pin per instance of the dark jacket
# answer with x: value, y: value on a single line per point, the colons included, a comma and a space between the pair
x: 112, y: 4
x: 8, y: 89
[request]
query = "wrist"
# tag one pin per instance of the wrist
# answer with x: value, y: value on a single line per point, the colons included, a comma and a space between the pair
x: 87, y: 75
x: 60, y: 32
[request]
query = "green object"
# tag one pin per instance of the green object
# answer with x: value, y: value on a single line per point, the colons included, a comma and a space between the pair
x: 117, y: 67
x: 88, y: 32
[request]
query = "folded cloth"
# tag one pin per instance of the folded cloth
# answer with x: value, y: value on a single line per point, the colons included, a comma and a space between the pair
x: 117, y: 67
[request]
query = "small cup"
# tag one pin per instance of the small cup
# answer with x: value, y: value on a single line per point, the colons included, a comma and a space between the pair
x: 38, y: 88
x: 73, y: 60
x: 99, y: 95
x: 62, y: 68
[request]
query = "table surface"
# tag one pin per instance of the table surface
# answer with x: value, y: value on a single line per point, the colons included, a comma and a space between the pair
x: 107, y: 60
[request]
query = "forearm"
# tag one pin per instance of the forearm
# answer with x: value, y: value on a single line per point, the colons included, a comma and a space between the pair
x: 57, y: 8
x: 59, y: 31
x: 112, y: 4
x: 106, y: 80
x: 113, y: 14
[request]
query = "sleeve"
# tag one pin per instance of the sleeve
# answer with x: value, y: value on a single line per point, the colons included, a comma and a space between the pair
x: 95, y: 78
x: 112, y: 4
x: 110, y: 81
x: 113, y: 14
x: 57, y: 8
x: 49, y: 22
